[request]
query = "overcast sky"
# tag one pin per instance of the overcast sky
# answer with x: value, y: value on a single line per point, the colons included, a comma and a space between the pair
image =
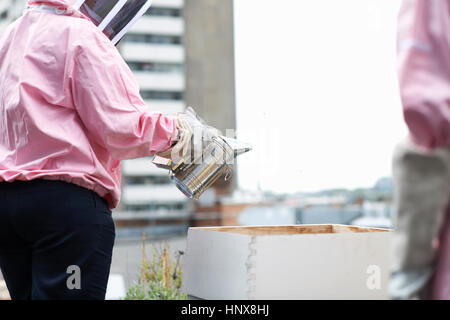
x: 317, y: 92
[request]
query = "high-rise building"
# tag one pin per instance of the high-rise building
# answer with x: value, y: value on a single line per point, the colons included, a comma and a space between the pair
x: 155, y: 51
x: 210, y: 61
x: 10, y: 10
x: 210, y: 87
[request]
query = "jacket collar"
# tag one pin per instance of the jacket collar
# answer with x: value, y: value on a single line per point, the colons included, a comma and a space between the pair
x: 56, y: 3
x: 64, y: 5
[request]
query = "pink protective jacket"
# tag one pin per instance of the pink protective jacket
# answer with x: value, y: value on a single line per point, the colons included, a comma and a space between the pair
x: 424, y: 70
x: 70, y: 108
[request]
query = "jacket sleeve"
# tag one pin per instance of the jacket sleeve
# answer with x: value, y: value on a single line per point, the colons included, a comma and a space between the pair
x: 424, y: 70
x: 107, y: 99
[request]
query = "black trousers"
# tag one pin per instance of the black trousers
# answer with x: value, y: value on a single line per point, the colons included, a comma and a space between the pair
x: 56, y: 241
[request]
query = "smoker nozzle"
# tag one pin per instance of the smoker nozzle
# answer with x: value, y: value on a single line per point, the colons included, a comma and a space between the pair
x: 238, y: 147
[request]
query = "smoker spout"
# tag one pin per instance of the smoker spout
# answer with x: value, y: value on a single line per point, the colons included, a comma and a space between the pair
x: 238, y: 147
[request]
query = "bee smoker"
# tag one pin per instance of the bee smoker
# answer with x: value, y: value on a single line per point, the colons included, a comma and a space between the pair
x: 195, y: 176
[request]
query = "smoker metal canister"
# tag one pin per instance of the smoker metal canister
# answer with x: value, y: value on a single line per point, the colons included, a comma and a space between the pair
x: 195, y: 178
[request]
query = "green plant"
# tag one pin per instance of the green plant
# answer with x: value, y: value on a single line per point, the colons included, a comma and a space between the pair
x: 161, y: 278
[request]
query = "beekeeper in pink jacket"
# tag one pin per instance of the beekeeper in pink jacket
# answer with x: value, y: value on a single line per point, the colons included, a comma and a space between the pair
x: 70, y: 111
x: 421, y: 164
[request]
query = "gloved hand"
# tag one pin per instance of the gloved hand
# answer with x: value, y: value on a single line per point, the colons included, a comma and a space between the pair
x: 194, y: 136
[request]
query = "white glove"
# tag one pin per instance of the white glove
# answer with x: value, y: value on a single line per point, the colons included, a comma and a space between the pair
x: 194, y: 137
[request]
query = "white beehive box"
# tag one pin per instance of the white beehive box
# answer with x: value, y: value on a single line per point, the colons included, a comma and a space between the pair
x: 287, y: 262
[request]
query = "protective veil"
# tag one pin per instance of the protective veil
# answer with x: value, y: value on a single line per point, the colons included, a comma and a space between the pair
x: 113, y: 17
x: 70, y: 108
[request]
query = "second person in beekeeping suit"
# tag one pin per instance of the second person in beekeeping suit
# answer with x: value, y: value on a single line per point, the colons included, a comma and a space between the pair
x: 421, y: 165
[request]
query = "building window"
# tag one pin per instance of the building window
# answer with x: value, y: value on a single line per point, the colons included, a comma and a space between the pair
x: 156, y: 67
x: 146, y: 180
x: 164, y: 12
x: 161, y: 95
x: 136, y: 207
x: 3, y: 15
x: 151, y: 38
x: 155, y: 207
